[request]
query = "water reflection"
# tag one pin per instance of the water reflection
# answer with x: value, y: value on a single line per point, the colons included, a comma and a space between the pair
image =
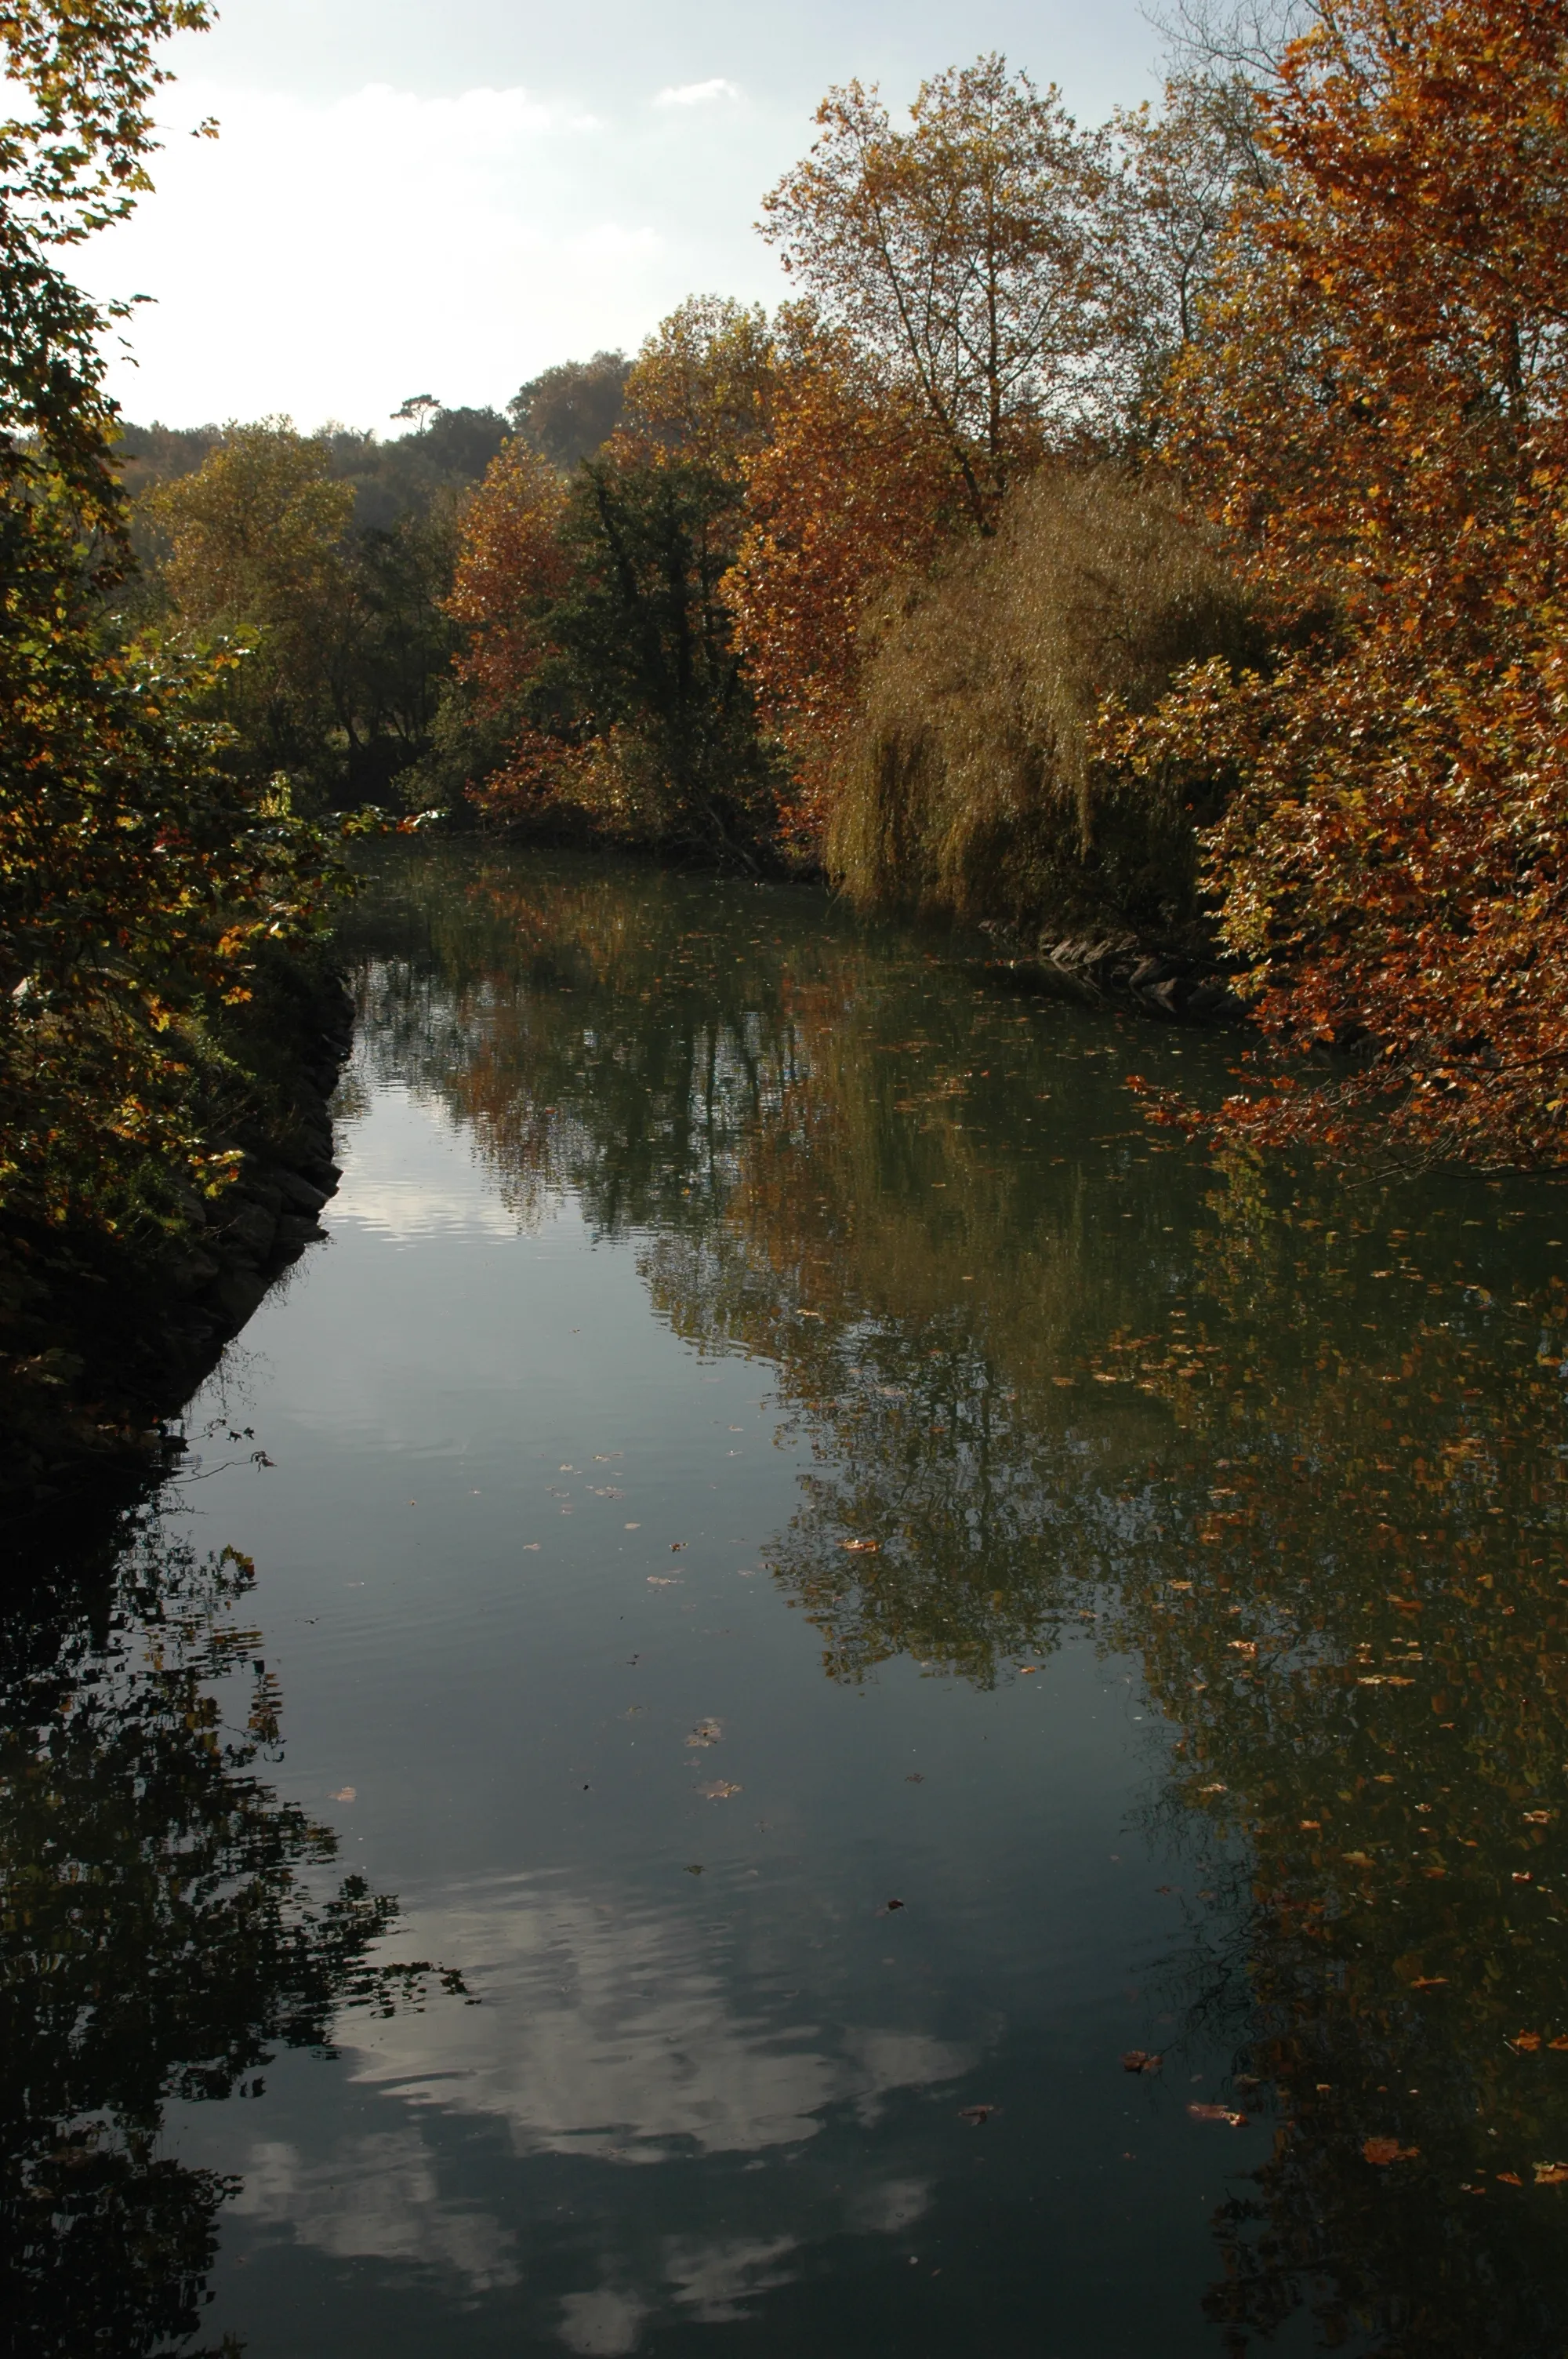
x: 1294, y: 1448
x: 159, y: 1940
x: 1298, y: 1446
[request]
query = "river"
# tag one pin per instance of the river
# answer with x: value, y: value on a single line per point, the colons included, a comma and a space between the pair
x: 808, y: 1691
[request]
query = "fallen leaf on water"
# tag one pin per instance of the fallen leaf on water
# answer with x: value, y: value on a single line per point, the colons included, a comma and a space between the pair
x: 1539, y: 1818
x: 344, y: 1794
x: 1437, y: 1982
x: 1218, y: 2114
x: 717, y: 1792
x: 1138, y: 2060
x: 976, y: 2115
x: 1550, y: 2174
x: 1510, y: 2178
x: 1358, y: 1859
x: 1521, y: 1875
x: 530, y: 1546
x: 1524, y: 2043
x: 1178, y: 1584
x: 1309, y: 1826
x: 890, y: 1908
x: 675, y: 1547
x: 1382, y: 2150
x: 694, y: 1867
x: 663, y: 1581
x: 1243, y: 1646
x: 1064, y: 1381
x: 1027, y: 1670
x: 862, y: 1547
x: 707, y: 1732
x: 916, y: 1777
x: 1561, y: 2040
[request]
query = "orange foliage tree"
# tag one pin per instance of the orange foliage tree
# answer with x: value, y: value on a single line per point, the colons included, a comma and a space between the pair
x: 850, y: 489
x: 600, y: 657
x: 1376, y: 404
x: 512, y: 562
x: 960, y: 317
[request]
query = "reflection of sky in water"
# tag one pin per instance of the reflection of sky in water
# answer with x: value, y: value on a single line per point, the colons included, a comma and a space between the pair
x: 411, y: 1174
x: 621, y: 2044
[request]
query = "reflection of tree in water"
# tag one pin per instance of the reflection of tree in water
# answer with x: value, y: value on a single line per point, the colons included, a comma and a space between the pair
x: 1314, y: 1477
x: 156, y: 1942
x: 1360, y: 1616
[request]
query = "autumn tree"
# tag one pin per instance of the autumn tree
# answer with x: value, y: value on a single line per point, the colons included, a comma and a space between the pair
x: 139, y: 882
x: 852, y: 489
x: 1376, y: 407
x: 600, y: 686
x: 964, y: 255
x: 701, y: 386
x: 960, y: 317
x: 255, y: 553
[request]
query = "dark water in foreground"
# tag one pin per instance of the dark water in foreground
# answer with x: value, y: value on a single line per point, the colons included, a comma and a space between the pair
x: 790, y: 1588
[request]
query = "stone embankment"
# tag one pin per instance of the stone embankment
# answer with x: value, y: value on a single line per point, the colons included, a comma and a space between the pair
x: 1176, y: 986
x: 105, y: 1344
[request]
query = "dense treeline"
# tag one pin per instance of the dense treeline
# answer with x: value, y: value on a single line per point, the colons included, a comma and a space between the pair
x: 1151, y: 528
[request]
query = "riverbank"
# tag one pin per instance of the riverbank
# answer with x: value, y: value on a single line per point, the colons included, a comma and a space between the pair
x: 104, y: 1337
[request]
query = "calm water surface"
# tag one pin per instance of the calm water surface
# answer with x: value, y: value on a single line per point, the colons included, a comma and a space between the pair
x: 790, y: 1590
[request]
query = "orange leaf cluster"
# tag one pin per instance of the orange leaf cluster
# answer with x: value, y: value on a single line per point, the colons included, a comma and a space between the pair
x: 854, y: 487
x: 1378, y: 406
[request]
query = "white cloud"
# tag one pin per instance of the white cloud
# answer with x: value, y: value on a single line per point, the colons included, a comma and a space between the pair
x: 375, y: 2195
x: 698, y: 93
x: 618, y: 2042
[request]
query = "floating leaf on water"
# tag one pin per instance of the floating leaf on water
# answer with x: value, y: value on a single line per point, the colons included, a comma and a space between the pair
x: 916, y: 1777
x: 707, y: 1732
x: 1524, y: 2043
x: 1226, y: 2114
x: 977, y: 2116
x: 1550, y: 2174
x: 1539, y: 1818
x: 862, y: 1547
x: 1384, y: 2150
x: 1358, y: 1859
x: 719, y: 1791
x: 1510, y: 2178
x: 664, y: 1580
x: 1139, y: 2059
x: 675, y: 1547
x: 694, y: 1867
x: 343, y: 1794
x: 890, y: 1908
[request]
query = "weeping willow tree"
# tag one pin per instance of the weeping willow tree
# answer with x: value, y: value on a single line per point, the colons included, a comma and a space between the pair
x: 969, y: 786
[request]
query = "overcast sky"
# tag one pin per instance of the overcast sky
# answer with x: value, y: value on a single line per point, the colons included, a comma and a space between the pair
x: 445, y: 196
